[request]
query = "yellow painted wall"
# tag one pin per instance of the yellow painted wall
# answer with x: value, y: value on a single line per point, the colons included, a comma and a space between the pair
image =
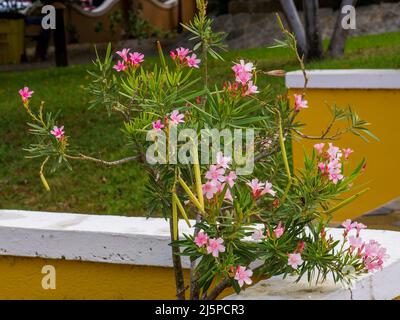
x: 382, y: 109
x: 21, y: 278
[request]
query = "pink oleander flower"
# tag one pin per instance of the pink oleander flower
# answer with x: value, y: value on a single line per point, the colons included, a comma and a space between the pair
x: 251, y: 88
x: 243, y: 67
x: 243, y: 77
x: 348, y: 225
x: 299, y: 102
x: 322, y: 167
x: 124, y: 54
x: 256, y: 187
x: 334, y: 152
x: 319, y: 147
x: 120, y: 66
x: 172, y: 54
x: 230, y: 178
x: 58, y: 132
x: 209, y: 189
x: 215, y: 246
x: 228, y: 195
x: 25, y: 94
x: 192, y: 61
x: 374, y: 256
x: 360, y: 226
x: 176, y: 117
x: 257, y: 235
x: 136, y: 58
x: 294, y: 260
x: 347, y: 153
x: 222, y: 161
x: 215, y: 173
x: 260, y: 188
x: 181, y: 53
x: 201, y: 239
x: 335, y: 176
x: 355, y: 242
x: 279, y: 230
x: 243, y: 275
x: 157, y: 125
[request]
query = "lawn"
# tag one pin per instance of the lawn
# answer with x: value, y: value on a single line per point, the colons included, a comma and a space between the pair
x: 93, y: 189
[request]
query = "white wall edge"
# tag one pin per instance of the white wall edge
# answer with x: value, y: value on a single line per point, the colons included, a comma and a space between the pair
x: 345, y: 79
x: 95, y: 238
x: 141, y: 241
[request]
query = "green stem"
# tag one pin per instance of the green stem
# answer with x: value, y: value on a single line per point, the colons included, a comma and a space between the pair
x: 347, y: 201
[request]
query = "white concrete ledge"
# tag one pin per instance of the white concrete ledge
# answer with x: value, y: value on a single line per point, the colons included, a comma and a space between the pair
x: 111, y: 239
x: 141, y: 241
x: 345, y: 79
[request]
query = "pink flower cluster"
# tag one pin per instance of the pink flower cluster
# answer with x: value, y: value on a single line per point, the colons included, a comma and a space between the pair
x: 213, y: 246
x: 259, y: 189
x: 175, y: 118
x: 218, y: 177
x: 243, y: 76
x: 372, y: 253
x: 182, y: 56
x: 58, y: 132
x: 128, y: 59
x: 25, y: 94
x: 330, y: 164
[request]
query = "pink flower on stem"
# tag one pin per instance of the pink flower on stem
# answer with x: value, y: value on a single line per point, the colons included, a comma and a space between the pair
x: 335, y: 176
x: 360, y: 226
x: 176, y: 117
x: 243, y: 275
x: 215, y: 173
x: 243, y: 77
x: 120, y: 66
x: 136, y: 58
x: 172, y: 54
x: 334, y: 152
x: 251, y: 88
x: 355, y: 242
x: 201, y: 239
x: 230, y: 178
x: 215, y: 247
x: 294, y: 260
x: 299, y: 102
x: 209, y: 189
x: 374, y: 256
x: 157, y: 125
x: 348, y: 225
x: 279, y: 230
x: 243, y: 67
x: 124, y: 54
x: 257, y: 235
x: 347, y: 153
x: 181, y: 53
x: 260, y: 188
x: 25, y: 94
x: 222, y: 161
x: 58, y: 132
x: 319, y: 147
x: 192, y: 61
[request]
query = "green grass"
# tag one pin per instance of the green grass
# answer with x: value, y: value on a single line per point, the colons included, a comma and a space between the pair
x: 93, y: 189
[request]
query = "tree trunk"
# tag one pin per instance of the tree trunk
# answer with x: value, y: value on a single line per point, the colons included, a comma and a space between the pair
x: 339, y: 36
x: 295, y: 25
x: 313, y: 30
x: 177, y: 263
